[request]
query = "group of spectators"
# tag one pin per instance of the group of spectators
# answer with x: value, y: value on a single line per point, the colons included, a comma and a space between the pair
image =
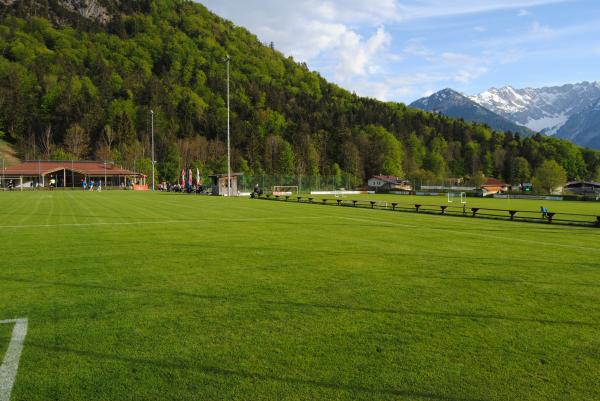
x: 190, y: 189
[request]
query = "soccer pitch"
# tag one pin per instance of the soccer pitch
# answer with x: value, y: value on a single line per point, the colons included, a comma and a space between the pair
x: 141, y: 296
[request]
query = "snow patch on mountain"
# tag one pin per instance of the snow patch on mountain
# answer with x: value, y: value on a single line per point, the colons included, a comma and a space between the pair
x: 548, y: 125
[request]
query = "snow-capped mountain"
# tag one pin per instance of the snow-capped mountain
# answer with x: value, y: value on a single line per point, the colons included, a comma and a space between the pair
x: 543, y: 110
x: 453, y: 104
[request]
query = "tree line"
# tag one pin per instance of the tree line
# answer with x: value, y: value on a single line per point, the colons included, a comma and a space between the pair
x: 72, y: 90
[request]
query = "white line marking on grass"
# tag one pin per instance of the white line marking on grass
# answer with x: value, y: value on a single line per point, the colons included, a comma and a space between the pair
x: 10, y: 364
x: 134, y: 223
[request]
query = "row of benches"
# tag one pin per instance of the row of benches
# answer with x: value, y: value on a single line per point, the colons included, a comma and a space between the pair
x: 444, y: 209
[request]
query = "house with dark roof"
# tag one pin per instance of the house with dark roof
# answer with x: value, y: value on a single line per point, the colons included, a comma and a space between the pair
x: 388, y: 183
x: 69, y: 174
x: 583, y: 187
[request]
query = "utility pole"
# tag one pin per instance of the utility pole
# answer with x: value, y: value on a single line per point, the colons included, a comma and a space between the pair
x: 152, y: 125
x: 228, y: 135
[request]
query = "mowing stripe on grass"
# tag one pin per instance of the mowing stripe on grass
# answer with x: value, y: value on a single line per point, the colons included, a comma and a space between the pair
x: 470, y: 233
x: 10, y: 364
x: 134, y: 223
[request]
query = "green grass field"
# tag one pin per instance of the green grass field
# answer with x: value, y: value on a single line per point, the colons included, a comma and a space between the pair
x: 141, y: 296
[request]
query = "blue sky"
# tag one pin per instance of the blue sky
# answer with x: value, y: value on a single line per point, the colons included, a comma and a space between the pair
x: 402, y: 50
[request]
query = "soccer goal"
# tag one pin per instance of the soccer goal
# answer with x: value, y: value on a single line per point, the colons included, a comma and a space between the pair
x: 462, y: 196
x: 282, y: 190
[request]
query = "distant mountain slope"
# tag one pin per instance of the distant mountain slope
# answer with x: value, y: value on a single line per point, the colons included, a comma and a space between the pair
x: 544, y: 110
x: 453, y: 104
x: 583, y: 128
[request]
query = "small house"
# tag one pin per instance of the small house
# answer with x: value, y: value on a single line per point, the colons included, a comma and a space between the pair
x: 388, y: 183
x: 583, y: 187
x: 220, y: 187
x: 494, y: 186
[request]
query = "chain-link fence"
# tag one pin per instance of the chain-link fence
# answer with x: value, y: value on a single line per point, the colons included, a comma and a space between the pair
x: 304, y: 183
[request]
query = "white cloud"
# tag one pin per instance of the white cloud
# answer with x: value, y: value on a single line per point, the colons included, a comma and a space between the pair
x: 309, y: 28
x: 442, y: 8
x: 349, y: 40
x: 359, y: 57
x: 523, y: 13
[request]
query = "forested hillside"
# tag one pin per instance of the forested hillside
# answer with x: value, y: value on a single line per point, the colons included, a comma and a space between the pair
x: 77, y: 80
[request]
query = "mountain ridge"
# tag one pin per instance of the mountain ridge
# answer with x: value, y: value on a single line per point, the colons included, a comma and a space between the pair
x: 545, y: 109
x: 454, y: 104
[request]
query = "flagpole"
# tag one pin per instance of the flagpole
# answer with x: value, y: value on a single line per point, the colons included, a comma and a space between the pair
x: 228, y: 135
x: 152, y: 116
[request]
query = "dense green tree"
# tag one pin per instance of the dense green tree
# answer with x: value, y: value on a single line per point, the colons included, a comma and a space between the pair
x: 520, y: 171
x: 549, y: 176
x: 384, y: 153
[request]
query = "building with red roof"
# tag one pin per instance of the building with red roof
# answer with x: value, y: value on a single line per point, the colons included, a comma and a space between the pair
x: 494, y: 186
x: 69, y: 174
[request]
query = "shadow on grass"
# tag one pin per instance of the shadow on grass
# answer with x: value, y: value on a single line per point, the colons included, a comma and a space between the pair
x: 213, y: 370
x: 306, y: 305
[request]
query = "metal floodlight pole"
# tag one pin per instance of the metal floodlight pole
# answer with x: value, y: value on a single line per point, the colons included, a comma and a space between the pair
x: 152, y: 125
x: 228, y: 135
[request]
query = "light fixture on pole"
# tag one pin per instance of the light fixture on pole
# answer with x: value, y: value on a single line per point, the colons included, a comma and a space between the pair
x: 228, y: 59
x: 152, y: 125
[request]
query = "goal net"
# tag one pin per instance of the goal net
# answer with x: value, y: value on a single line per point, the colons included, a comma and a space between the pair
x: 282, y: 190
x: 462, y: 197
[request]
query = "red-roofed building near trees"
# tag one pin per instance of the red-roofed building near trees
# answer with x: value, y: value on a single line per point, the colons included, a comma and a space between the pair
x: 494, y: 186
x: 70, y: 174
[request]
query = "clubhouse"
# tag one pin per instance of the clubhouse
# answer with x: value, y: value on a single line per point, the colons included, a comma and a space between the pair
x: 70, y: 174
